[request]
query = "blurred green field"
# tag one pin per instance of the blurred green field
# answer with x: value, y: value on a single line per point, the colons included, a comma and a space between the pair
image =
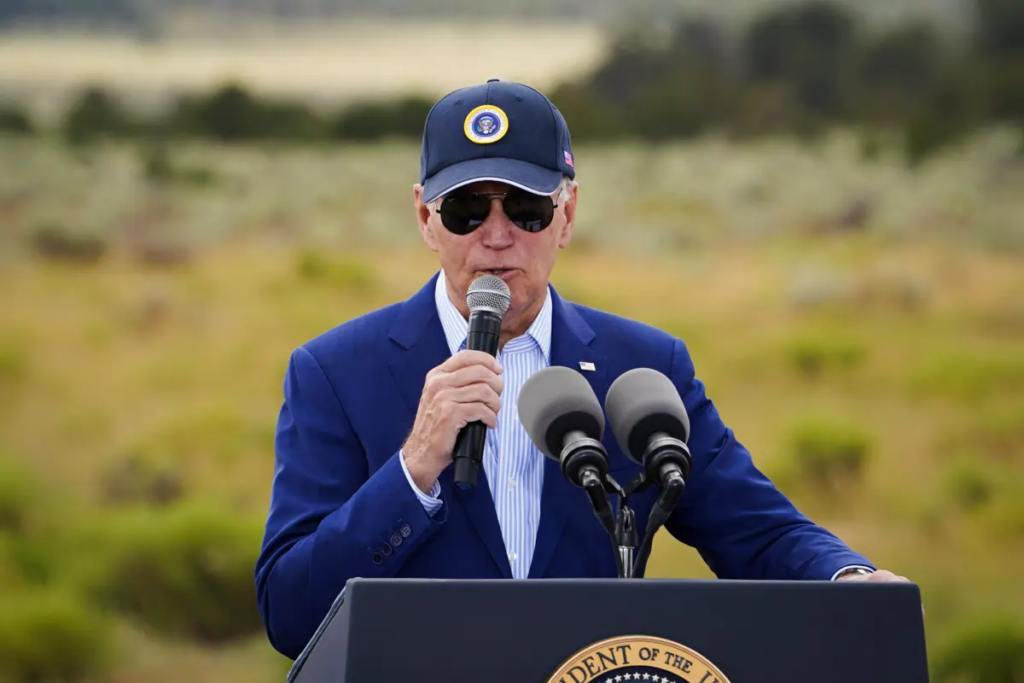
x: 858, y: 324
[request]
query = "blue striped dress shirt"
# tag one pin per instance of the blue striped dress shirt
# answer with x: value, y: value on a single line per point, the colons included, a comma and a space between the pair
x: 513, y: 465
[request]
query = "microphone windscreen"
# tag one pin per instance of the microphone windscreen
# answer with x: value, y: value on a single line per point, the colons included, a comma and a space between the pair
x: 489, y: 292
x: 556, y: 401
x: 641, y: 403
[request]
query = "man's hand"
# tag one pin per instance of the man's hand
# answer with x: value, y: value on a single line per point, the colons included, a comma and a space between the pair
x: 881, y: 576
x: 465, y: 388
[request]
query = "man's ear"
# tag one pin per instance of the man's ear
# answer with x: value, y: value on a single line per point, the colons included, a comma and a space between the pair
x: 569, y: 208
x: 423, y: 218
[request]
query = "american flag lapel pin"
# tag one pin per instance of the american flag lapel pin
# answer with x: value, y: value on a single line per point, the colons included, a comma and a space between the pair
x: 587, y: 365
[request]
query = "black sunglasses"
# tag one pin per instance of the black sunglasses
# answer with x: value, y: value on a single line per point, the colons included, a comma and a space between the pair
x: 464, y: 212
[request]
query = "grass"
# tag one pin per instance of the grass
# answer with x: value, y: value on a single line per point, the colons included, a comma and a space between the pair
x: 129, y: 389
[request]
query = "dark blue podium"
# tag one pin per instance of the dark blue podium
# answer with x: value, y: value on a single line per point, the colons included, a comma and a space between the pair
x: 609, y: 631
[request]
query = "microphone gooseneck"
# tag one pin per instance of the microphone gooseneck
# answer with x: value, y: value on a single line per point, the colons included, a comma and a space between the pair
x: 488, y: 299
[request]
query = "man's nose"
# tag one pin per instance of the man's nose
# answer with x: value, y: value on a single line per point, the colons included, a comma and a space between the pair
x: 497, y: 229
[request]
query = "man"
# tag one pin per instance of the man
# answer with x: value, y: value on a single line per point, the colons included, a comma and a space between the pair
x: 363, y: 485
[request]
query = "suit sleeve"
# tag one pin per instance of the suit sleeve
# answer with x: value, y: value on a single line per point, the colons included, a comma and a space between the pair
x: 330, y: 519
x: 740, y: 523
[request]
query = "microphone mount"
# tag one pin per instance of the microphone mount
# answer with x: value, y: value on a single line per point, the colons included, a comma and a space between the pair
x: 666, y: 463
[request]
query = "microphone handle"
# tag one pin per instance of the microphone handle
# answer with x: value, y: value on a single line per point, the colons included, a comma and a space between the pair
x: 484, y: 333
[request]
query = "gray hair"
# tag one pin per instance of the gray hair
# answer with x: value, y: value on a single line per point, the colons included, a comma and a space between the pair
x: 565, y: 188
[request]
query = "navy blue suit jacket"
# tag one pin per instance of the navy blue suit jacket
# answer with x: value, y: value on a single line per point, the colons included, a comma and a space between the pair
x: 342, y: 507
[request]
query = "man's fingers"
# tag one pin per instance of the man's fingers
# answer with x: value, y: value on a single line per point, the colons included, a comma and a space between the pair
x: 474, y: 374
x: 479, y: 412
x: 465, y: 358
x: 474, y: 393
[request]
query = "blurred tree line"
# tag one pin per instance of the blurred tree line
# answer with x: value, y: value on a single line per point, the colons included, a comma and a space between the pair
x: 801, y: 69
x: 796, y: 69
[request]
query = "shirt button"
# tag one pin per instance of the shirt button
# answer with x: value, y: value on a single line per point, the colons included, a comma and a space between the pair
x: 511, y: 482
x: 513, y: 556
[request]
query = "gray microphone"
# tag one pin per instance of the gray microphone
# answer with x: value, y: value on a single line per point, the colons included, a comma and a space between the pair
x: 488, y: 299
x: 650, y: 424
x: 563, y: 418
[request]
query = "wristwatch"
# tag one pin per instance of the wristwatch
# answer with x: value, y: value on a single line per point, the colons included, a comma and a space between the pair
x: 852, y: 570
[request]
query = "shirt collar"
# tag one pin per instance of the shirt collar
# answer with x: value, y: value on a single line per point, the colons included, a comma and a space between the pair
x: 456, y: 327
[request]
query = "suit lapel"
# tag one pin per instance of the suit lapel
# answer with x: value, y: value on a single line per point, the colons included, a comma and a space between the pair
x: 479, y: 507
x: 570, y: 347
x: 419, y: 332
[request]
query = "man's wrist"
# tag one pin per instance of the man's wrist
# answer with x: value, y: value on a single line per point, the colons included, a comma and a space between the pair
x: 423, y: 481
x: 411, y: 465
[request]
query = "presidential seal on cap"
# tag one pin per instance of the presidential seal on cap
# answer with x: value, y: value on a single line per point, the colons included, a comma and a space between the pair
x: 486, y: 124
x: 499, y: 131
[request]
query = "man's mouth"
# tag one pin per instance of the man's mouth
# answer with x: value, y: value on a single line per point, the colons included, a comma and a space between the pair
x: 503, y: 273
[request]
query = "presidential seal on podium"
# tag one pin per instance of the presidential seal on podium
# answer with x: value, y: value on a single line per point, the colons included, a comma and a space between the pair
x: 644, y: 659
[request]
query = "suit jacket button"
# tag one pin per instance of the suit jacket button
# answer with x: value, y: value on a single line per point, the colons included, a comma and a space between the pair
x: 385, y: 549
x: 378, y: 559
x: 406, y: 530
x: 396, y: 539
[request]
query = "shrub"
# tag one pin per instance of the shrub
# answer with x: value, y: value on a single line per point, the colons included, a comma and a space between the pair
x: 96, y: 115
x: 829, y: 452
x: 812, y: 355
x: 371, y: 120
x: 29, y: 560
x: 927, y: 135
x: 16, y: 121
x: 969, y: 483
x: 18, y: 500
x: 185, y: 572
x: 989, y: 649
x: 158, y: 166
x: 346, y: 273
x: 232, y: 113
x: 29, y: 540
x: 52, y: 636
x: 55, y: 243
x: 138, y: 480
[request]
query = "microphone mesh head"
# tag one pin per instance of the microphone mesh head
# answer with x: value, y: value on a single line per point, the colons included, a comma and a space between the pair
x: 555, y: 401
x: 643, y: 402
x: 489, y: 292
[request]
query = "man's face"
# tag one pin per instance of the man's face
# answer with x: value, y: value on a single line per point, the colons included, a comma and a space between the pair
x: 522, y: 259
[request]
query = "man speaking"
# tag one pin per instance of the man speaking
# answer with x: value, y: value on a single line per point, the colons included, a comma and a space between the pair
x: 364, y: 484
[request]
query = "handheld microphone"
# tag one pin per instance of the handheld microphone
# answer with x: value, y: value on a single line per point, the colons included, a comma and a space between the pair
x: 650, y: 424
x: 488, y: 299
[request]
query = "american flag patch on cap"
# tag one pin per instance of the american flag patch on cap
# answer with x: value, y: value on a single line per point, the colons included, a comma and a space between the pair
x: 568, y: 158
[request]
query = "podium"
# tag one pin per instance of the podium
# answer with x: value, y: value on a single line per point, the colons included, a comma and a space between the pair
x: 609, y: 631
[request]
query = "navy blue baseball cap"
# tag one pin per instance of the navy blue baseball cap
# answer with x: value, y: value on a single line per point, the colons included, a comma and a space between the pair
x: 498, y: 130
